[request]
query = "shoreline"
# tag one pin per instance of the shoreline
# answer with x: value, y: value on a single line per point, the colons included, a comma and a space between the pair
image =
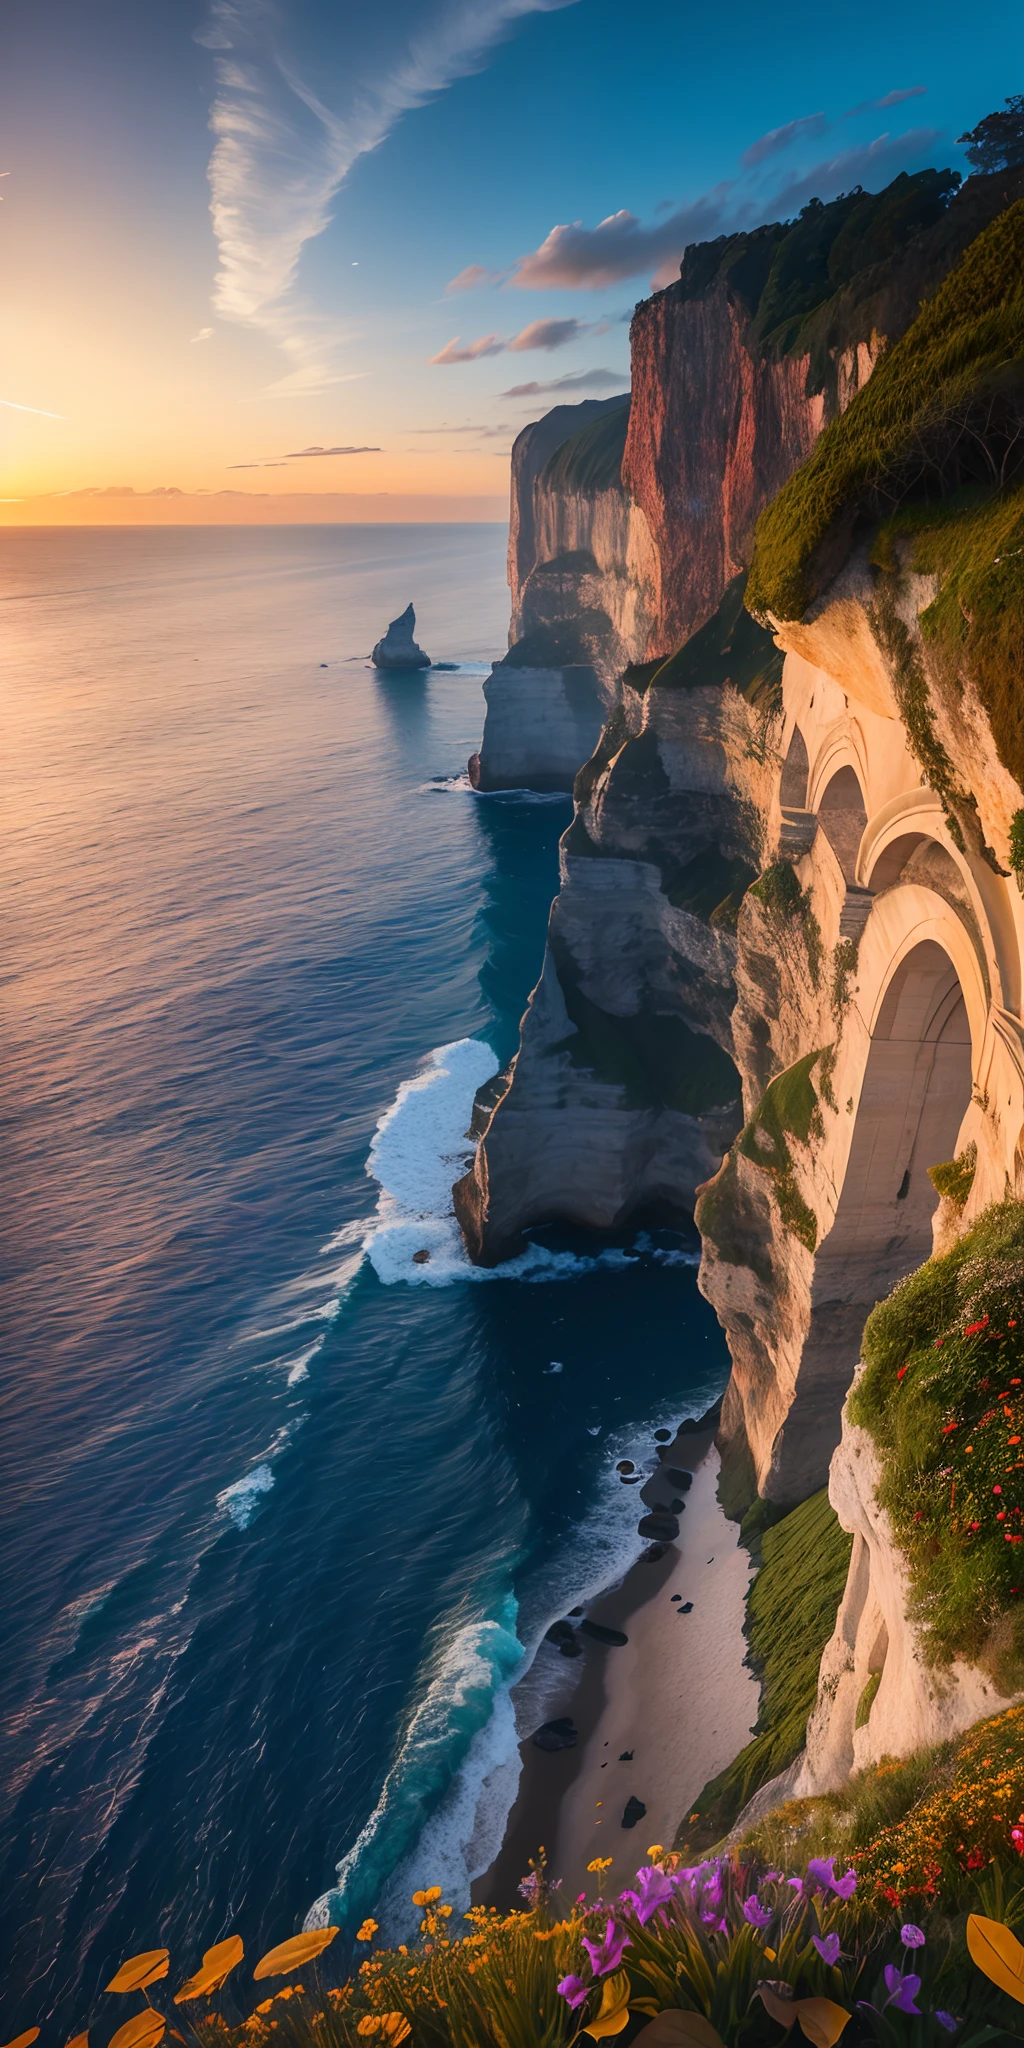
x: 678, y: 1694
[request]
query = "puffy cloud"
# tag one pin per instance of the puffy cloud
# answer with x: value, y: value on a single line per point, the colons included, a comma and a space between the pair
x: 204, y: 334
x: 283, y: 149
x: 488, y: 345
x: 582, y: 380
x: 588, y: 259
x: 778, y: 139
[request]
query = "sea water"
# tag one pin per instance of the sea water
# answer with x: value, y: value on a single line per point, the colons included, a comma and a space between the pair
x: 284, y: 1511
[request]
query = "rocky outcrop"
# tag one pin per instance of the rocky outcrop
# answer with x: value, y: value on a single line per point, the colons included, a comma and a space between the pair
x: 541, y: 723
x: 879, y: 1695
x: 398, y: 648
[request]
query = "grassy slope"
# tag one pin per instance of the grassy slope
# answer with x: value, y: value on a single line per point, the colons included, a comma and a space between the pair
x: 966, y: 347
x: 791, y: 1613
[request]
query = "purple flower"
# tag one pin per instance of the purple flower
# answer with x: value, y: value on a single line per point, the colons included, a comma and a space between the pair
x: 821, y: 1873
x: 573, y: 1990
x: 771, y: 1877
x: 653, y: 1890
x: 796, y: 1884
x: 607, y: 1954
x: 902, y: 1990
x: 844, y: 1887
x: 755, y: 1914
x: 945, y: 2019
x: 827, y: 1946
x: 911, y: 1936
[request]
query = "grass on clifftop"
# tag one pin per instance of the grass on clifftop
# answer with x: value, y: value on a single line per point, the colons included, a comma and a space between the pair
x: 942, y: 1393
x: 975, y: 545
x: 941, y: 410
x: 591, y: 460
x: 791, y: 1612
x: 916, y: 1827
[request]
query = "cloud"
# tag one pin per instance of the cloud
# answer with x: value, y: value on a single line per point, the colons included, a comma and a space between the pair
x: 549, y: 334
x: 282, y: 151
x: 474, y: 275
x: 778, y: 139
x: 582, y: 380
x: 873, y: 166
x: 588, y: 259
x: 486, y: 433
x: 488, y: 345
x: 889, y: 99
x: 15, y: 407
x: 294, y: 453
x: 204, y: 334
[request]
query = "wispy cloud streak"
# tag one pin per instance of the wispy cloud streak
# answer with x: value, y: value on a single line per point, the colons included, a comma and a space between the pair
x: 281, y: 153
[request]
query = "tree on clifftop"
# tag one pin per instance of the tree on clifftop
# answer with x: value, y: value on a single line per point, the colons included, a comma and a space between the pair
x: 997, y: 143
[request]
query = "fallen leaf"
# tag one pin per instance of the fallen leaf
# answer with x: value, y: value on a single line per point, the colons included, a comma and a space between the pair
x: 998, y: 1953
x: 677, y: 2029
x: 821, y: 2020
x: 140, y: 1970
x: 290, y: 1955
x: 614, y: 2011
x: 217, y: 1964
x: 144, y: 2031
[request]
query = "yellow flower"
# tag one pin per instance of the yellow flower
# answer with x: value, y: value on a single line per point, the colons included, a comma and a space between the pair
x: 600, y: 1863
x: 367, y: 1930
x: 656, y: 1849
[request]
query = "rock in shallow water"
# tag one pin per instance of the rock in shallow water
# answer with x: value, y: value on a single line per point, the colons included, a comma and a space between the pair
x: 599, y: 1634
x: 398, y: 648
x: 634, y: 1811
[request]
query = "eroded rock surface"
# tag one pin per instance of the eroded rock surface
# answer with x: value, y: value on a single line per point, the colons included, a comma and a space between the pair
x: 398, y: 647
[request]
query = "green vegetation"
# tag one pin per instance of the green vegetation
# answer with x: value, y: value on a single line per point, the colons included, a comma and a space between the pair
x: 1017, y: 846
x: 954, y: 1179
x: 591, y: 460
x: 974, y: 543
x: 731, y: 648
x: 730, y: 1218
x: 997, y: 143
x: 943, y: 409
x: 781, y: 897
x: 788, y: 1108
x: 844, y: 967
x: 791, y: 1613
x: 941, y: 1393
x: 916, y: 1828
x: 867, y: 1700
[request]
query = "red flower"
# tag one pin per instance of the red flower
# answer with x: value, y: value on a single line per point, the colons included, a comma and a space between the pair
x: 997, y: 1489
x: 902, y: 1370
x: 973, y: 1328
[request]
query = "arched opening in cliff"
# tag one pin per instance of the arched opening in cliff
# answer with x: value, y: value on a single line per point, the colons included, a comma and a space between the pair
x: 795, y: 770
x: 915, y: 1092
x: 916, y: 1089
x: 842, y: 815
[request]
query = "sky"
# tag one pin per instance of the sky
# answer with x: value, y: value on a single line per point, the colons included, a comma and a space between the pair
x: 325, y: 258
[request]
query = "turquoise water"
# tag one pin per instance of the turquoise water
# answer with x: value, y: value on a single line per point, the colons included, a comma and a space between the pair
x: 282, y: 1512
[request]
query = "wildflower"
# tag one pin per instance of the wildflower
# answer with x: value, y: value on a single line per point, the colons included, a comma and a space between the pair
x: 653, y: 1891
x: 367, y: 1930
x: 827, y: 1946
x: 844, y: 1887
x: 599, y: 1863
x: 945, y: 2019
x: 755, y: 1914
x: 911, y: 1936
x: 656, y: 1849
x: 573, y: 1990
x: 607, y: 1954
x: 902, y: 1990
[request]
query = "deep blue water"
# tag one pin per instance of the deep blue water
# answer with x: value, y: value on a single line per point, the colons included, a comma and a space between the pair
x: 274, y: 1529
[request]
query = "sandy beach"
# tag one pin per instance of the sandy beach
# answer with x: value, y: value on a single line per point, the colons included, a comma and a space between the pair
x: 678, y: 1695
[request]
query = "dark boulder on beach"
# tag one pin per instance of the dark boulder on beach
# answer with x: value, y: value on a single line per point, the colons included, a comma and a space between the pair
x: 599, y: 1634
x: 662, y: 1527
x: 653, y: 1553
x: 560, y: 1734
x: 687, y: 1607
x: 563, y: 1634
x: 634, y: 1811
x: 676, y: 1477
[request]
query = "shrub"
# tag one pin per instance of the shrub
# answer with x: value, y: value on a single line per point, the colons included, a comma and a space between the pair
x: 941, y: 1394
x: 955, y: 1178
x: 935, y: 413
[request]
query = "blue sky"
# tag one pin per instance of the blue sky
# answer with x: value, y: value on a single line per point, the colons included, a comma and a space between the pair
x: 358, y: 159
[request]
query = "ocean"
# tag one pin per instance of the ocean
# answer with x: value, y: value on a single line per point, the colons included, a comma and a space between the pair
x: 284, y: 1513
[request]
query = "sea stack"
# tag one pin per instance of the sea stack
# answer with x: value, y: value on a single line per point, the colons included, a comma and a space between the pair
x: 398, y: 649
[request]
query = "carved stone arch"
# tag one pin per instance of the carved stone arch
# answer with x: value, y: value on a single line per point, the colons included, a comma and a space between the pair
x: 795, y: 771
